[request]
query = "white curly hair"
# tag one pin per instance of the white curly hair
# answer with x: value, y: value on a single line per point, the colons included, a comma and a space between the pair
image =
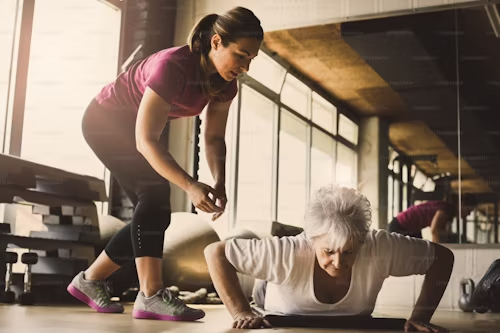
x: 340, y: 213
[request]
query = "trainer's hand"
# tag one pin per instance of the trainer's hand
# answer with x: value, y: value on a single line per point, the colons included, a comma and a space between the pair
x: 418, y: 326
x: 199, y: 195
x: 250, y: 320
x: 220, y: 195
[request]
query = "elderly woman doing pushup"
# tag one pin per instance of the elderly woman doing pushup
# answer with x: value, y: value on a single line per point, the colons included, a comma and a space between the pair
x: 335, y: 267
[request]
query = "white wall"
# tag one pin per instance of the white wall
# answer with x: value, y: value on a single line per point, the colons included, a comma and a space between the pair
x: 471, y: 261
x: 286, y: 14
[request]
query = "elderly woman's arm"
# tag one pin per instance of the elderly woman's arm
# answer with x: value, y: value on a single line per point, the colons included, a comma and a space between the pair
x: 268, y: 259
x: 225, y: 280
x: 436, y: 280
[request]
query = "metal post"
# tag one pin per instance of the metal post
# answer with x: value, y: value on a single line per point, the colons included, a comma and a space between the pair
x: 496, y: 221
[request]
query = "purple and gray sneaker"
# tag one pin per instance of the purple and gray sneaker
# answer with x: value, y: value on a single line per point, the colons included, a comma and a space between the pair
x: 93, y: 293
x: 164, y: 306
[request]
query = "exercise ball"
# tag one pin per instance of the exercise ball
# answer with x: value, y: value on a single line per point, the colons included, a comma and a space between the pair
x: 184, y: 263
x: 108, y: 227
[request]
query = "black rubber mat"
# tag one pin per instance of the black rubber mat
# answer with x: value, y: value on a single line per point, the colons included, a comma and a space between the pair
x: 342, y: 322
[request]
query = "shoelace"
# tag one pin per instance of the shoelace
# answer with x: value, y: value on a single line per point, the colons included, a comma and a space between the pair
x: 103, y: 292
x: 168, y: 297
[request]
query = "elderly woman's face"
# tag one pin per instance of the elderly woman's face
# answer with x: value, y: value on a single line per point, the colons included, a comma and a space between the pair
x: 336, y: 262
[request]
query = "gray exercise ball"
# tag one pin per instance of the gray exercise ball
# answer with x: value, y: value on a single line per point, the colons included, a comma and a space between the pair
x: 184, y: 263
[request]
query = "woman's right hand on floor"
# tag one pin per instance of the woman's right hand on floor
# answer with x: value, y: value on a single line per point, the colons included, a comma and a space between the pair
x: 417, y: 326
x: 250, y: 320
x: 199, y: 195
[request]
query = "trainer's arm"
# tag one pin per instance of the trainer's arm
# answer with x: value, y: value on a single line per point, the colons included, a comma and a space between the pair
x: 438, y: 225
x: 436, y: 280
x: 151, y: 119
x: 225, y: 280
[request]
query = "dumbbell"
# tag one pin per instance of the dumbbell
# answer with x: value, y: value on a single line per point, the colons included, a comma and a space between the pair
x: 8, y: 295
x: 29, y: 259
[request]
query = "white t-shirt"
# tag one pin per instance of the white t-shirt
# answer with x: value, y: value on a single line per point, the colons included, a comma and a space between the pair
x: 287, y: 264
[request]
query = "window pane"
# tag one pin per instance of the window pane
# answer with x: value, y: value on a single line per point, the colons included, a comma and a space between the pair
x: 322, y: 160
x: 348, y: 129
x: 404, y: 172
x: 419, y: 179
x: 324, y: 113
x: 255, y: 159
x: 295, y: 94
x: 390, y: 196
x: 396, y: 197
x: 346, y: 171
x: 7, y: 15
x: 267, y: 71
x: 405, y: 196
x: 71, y: 59
x: 392, y: 156
x: 292, y: 170
x: 429, y: 185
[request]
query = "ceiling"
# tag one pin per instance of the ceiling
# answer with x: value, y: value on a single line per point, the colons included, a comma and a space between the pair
x: 404, y: 69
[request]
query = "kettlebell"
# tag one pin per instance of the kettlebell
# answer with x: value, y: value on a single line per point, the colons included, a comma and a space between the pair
x: 465, y: 302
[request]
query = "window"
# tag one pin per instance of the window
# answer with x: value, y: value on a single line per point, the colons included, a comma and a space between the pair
x: 71, y: 59
x: 348, y: 129
x: 346, y: 168
x: 287, y: 147
x: 324, y: 113
x: 8, y: 11
x: 390, y: 200
x: 396, y: 187
x: 419, y: 179
x: 295, y: 94
x: 255, y: 160
x: 429, y: 186
x: 267, y: 71
x: 292, y: 183
x: 322, y: 159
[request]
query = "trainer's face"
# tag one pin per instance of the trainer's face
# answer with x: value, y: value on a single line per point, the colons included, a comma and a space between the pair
x: 336, y: 262
x: 234, y: 59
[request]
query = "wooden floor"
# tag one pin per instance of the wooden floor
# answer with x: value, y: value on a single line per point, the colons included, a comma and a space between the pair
x: 80, y: 319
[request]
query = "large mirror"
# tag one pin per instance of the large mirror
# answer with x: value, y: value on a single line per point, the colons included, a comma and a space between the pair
x: 402, y: 106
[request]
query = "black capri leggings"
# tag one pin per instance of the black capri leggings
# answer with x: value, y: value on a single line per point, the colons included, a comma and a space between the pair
x: 110, y: 133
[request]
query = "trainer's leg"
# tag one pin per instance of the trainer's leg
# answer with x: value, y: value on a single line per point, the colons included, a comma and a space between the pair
x: 151, y: 218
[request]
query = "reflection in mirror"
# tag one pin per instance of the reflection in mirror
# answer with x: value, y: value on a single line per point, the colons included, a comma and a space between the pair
x: 432, y: 77
x: 376, y: 104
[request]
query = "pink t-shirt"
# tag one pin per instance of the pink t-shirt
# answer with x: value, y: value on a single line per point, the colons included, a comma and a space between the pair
x: 418, y: 217
x: 174, y: 74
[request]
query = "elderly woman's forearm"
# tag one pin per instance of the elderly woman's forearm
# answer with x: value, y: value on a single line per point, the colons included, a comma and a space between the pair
x: 435, y: 283
x: 226, y: 280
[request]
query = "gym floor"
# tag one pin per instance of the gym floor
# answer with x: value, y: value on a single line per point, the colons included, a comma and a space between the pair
x: 80, y: 318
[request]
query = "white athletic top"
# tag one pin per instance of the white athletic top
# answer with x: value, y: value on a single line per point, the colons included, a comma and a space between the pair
x: 287, y: 264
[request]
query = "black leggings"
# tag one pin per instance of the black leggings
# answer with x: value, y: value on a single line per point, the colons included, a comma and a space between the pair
x: 110, y: 133
x: 394, y: 226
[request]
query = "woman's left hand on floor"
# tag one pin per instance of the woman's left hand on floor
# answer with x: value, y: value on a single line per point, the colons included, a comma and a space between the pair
x: 419, y: 326
x: 250, y: 320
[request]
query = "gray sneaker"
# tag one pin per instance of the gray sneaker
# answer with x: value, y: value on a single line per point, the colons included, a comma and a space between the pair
x: 164, y: 306
x: 93, y: 293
